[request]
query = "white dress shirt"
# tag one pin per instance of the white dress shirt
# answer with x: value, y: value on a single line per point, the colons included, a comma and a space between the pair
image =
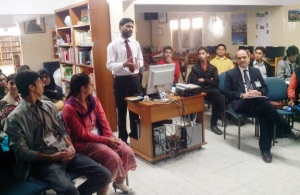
x: 261, y: 67
x: 117, y: 55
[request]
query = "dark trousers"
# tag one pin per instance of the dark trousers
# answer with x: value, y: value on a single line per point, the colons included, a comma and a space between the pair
x: 268, y: 117
x: 214, y: 95
x: 125, y: 86
x: 55, y: 175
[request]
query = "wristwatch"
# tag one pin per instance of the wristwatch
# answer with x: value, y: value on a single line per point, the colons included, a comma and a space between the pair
x: 241, y: 96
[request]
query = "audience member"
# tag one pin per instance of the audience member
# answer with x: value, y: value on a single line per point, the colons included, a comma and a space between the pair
x: 294, y: 88
x: 12, y: 98
x: 52, y: 91
x: 241, y: 84
x: 23, y: 67
x: 3, y: 85
x: 91, y: 133
x: 42, y: 146
x: 221, y: 61
x: 206, y: 76
x: 167, y: 59
x: 124, y: 59
x: 287, y: 66
x: 265, y: 69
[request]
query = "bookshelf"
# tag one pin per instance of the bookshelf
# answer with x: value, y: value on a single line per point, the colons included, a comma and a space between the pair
x: 10, y: 53
x: 83, y: 33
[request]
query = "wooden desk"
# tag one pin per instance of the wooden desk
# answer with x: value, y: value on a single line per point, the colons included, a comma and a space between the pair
x: 151, y: 112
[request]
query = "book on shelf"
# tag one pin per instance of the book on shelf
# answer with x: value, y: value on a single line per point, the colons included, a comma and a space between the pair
x: 85, y: 15
x: 66, y: 55
x: 65, y: 88
x: 84, y: 55
x: 83, y: 38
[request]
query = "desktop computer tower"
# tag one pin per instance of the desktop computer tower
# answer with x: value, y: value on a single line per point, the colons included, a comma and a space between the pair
x: 159, y: 139
x: 189, y: 135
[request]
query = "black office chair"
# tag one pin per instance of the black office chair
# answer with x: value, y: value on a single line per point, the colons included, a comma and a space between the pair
x: 230, y: 111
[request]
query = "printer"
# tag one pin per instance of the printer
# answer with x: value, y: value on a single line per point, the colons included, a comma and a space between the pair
x: 186, y: 90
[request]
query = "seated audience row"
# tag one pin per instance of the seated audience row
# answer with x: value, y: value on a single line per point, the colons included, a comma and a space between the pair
x: 42, y: 145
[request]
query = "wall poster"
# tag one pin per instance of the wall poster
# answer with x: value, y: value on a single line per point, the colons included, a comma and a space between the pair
x: 263, y: 28
x: 239, y: 29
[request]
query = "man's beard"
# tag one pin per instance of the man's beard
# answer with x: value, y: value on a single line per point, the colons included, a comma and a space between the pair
x: 126, y: 34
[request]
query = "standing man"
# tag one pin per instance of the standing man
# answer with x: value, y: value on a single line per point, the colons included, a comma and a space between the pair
x: 241, y: 85
x: 206, y: 76
x: 167, y: 59
x: 124, y: 58
x: 42, y: 145
x: 221, y: 61
x: 265, y: 69
x: 287, y: 66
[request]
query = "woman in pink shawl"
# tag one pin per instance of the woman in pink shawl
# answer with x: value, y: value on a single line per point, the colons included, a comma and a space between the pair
x: 91, y: 134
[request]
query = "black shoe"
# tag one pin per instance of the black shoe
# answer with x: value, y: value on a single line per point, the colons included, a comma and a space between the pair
x: 294, y: 133
x: 216, y: 130
x: 267, y: 157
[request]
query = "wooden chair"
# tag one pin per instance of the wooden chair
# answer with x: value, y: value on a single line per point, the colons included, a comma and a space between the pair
x: 277, y: 59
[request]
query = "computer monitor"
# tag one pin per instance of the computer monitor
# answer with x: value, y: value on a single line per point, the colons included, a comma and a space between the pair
x: 250, y: 48
x: 160, y: 79
x: 273, y: 52
x: 211, y: 49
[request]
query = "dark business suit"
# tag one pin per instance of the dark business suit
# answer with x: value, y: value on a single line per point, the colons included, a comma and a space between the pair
x: 267, y: 114
x: 269, y: 69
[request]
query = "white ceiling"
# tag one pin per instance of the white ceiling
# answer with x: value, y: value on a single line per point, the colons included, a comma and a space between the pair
x: 13, y: 11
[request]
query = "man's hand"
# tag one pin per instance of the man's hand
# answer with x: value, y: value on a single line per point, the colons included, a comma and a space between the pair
x: 291, y: 103
x: 114, y: 143
x: 64, y: 156
x: 131, y: 66
x: 251, y: 93
x: 201, y: 80
x: 169, y: 60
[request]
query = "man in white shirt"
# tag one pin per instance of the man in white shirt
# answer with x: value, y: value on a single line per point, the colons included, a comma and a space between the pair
x: 266, y: 69
x: 124, y: 59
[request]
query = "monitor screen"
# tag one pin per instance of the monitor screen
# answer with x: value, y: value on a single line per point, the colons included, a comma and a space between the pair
x: 160, y: 79
x: 250, y: 48
x: 273, y: 52
x: 211, y: 49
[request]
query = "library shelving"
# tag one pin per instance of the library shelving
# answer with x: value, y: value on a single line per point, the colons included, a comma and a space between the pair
x: 10, y: 53
x: 82, y: 35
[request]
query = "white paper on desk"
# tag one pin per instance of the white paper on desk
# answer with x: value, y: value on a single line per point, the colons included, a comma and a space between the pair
x: 259, y: 96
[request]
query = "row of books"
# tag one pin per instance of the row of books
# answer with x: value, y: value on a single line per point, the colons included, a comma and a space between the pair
x: 83, y: 38
x: 84, y: 55
x: 66, y: 54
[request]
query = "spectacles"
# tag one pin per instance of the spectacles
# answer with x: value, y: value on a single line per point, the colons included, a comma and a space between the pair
x: 2, y: 80
x: 45, y: 77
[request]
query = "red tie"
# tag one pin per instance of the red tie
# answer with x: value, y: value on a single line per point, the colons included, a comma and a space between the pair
x: 129, y: 54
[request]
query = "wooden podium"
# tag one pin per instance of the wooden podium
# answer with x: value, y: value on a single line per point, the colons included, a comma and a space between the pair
x: 152, y: 111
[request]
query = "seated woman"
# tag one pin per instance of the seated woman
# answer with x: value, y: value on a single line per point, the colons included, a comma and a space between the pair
x: 12, y: 98
x: 3, y: 84
x: 52, y: 91
x: 91, y: 134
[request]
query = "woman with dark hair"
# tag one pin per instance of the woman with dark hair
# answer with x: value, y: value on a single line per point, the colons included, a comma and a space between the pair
x: 91, y: 133
x: 3, y: 85
x: 12, y: 97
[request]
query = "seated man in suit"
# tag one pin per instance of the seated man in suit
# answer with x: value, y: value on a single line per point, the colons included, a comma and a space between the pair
x: 243, y: 86
x: 42, y: 146
x: 265, y: 69
x: 287, y: 66
x: 206, y: 76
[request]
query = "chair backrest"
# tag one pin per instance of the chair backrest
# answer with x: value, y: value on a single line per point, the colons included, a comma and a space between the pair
x: 222, y: 82
x: 277, y: 88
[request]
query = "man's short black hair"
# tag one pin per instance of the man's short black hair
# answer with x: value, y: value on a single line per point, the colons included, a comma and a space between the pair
x: 221, y: 44
x: 167, y: 47
x: 292, y: 50
x: 24, y: 79
x: 125, y: 20
x: 203, y: 48
x: 261, y: 48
